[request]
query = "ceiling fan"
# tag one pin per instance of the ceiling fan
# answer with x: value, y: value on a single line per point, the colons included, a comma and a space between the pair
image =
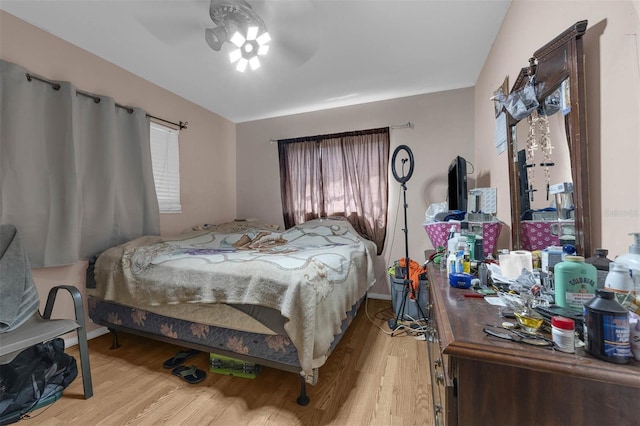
x: 293, y: 29
x: 237, y: 22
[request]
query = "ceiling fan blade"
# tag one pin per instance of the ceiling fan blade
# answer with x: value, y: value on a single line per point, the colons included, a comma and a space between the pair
x: 296, y: 52
x: 171, y: 31
x: 293, y: 27
x: 174, y: 22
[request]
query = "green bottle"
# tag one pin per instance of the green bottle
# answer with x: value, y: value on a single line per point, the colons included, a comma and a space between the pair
x: 575, y: 282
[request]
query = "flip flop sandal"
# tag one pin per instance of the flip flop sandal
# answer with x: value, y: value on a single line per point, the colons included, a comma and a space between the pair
x: 179, y: 358
x: 191, y: 374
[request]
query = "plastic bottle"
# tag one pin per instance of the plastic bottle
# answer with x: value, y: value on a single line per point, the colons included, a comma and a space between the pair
x: 478, y: 250
x: 575, y: 282
x: 452, y: 232
x: 471, y: 244
x: 466, y: 261
x: 462, y: 245
x: 563, y: 333
x: 452, y: 242
x: 568, y: 250
x: 536, y: 259
x: 606, y: 328
x: 452, y: 261
x: 464, y: 228
x: 601, y: 262
x: 632, y: 260
x: 443, y: 262
x: 619, y: 281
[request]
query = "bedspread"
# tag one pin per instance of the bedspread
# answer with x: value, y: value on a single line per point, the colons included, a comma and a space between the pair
x: 312, y: 273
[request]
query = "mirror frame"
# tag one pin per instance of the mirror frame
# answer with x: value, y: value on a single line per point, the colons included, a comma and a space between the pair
x: 561, y: 58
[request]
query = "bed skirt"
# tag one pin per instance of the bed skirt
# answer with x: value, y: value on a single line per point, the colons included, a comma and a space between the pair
x: 269, y: 350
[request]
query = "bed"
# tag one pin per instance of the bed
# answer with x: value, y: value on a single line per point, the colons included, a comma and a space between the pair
x: 275, y: 298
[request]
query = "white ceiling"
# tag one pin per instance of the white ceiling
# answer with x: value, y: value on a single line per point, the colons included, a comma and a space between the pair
x: 323, y: 53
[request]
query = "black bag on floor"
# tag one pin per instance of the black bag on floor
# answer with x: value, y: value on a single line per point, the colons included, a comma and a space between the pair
x: 36, y: 375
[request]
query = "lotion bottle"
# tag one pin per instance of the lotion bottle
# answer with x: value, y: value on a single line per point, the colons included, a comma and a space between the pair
x: 620, y: 282
x: 632, y: 260
x: 452, y: 242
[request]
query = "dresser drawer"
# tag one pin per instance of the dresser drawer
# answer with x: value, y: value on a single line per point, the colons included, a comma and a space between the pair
x: 438, y: 378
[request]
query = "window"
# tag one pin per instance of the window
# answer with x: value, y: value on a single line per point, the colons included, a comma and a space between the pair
x: 337, y: 175
x: 166, y: 167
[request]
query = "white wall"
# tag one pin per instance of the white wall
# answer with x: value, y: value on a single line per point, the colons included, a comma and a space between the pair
x: 443, y: 128
x: 612, y: 65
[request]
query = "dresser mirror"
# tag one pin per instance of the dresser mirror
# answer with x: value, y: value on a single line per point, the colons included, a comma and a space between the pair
x: 547, y: 148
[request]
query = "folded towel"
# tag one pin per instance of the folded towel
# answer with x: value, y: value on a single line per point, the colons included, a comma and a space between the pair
x: 18, y: 294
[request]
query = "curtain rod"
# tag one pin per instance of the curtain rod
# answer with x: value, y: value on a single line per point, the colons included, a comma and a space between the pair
x: 181, y: 124
x: 407, y: 125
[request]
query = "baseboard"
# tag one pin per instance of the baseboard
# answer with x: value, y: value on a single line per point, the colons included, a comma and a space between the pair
x: 379, y: 296
x: 97, y: 333
x: 72, y: 340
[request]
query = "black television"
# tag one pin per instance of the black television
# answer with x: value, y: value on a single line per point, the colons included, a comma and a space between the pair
x: 458, y: 184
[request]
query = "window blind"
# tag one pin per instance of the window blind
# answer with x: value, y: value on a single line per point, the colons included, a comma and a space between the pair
x: 166, y: 167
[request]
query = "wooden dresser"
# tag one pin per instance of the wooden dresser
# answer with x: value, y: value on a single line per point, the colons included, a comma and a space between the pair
x: 482, y: 380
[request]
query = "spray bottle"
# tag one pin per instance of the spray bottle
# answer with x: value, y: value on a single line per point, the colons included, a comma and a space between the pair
x: 452, y: 241
x: 632, y: 260
x: 451, y: 263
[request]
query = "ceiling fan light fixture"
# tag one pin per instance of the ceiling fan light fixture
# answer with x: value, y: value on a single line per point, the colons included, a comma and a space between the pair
x: 249, y: 33
x: 254, y: 63
x: 264, y: 38
x: 242, y: 65
x: 237, y: 39
x: 252, y: 33
x: 215, y: 37
x: 235, y: 55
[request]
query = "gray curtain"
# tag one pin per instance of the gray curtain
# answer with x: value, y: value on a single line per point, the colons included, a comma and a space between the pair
x: 75, y: 173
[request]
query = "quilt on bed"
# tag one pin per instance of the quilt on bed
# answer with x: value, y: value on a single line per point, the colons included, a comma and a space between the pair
x: 313, y: 274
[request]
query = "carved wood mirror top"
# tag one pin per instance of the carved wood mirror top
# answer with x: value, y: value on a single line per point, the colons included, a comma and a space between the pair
x: 560, y: 60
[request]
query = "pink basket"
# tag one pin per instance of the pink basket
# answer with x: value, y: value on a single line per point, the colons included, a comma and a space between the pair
x: 537, y: 235
x: 438, y: 233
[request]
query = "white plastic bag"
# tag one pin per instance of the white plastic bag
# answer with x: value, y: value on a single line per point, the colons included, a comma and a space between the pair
x: 433, y: 210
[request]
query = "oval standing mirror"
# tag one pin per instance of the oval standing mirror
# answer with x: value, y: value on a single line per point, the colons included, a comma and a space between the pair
x: 547, y: 149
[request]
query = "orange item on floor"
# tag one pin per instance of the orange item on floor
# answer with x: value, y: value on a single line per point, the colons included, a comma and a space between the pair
x: 414, y: 275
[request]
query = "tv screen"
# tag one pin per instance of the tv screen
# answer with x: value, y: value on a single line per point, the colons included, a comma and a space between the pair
x: 458, y: 184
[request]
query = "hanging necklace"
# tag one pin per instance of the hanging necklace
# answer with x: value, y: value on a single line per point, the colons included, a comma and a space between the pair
x: 532, y: 146
x: 546, y: 147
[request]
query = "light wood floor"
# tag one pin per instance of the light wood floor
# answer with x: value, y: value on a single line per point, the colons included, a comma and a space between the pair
x: 370, y: 379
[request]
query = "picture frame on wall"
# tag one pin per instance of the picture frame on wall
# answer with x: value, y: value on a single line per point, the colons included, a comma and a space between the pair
x: 499, y: 95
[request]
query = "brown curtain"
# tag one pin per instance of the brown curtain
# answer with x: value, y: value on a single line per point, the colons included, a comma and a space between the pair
x: 341, y: 174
